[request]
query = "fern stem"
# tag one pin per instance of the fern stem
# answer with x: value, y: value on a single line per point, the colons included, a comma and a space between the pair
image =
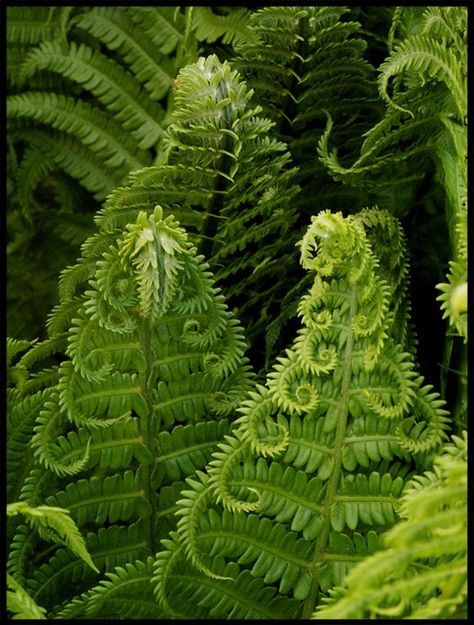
x: 145, y: 430
x: 333, y: 482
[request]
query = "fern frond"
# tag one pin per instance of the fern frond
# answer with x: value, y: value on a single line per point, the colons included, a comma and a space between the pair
x: 313, y: 462
x: 127, y: 593
x: 21, y: 420
x: 40, y: 351
x: 34, y: 25
x: 113, y: 27
x: 33, y: 169
x: 129, y: 372
x: 20, y: 603
x: 113, y: 447
x: 110, y: 547
x: 118, y: 497
x: 209, y: 26
x: 107, y: 81
x: 431, y: 60
x: 244, y: 598
x: 16, y: 346
x: 164, y: 25
x: 186, y: 448
x: 75, y: 159
x: 421, y: 571
x: 91, y: 126
x: 217, y: 156
x: 428, y: 433
x: 58, y: 525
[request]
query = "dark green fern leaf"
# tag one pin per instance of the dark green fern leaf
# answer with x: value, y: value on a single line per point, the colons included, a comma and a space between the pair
x: 143, y: 354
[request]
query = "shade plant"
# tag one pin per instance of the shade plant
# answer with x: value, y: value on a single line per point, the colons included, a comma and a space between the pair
x: 237, y: 404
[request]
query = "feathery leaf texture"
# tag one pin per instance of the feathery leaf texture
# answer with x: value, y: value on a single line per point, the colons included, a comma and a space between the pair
x: 302, y: 63
x: 20, y: 603
x: 143, y: 354
x: 227, y: 180
x: 150, y: 474
x: 92, y: 109
x: 311, y: 472
x: 421, y: 571
x: 429, y: 89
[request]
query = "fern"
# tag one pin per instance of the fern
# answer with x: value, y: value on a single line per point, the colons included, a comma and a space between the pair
x: 20, y: 603
x: 312, y: 466
x: 53, y: 524
x: 125, y: 380
x: 302, y: 62
x: 218, y: 160
x: 421, y: 573
x: 417, y: 61
x: 90, y: 125
x: 209, y: 26
x: 90, y: 112
x: 415, y: 157
x: 165, y: 162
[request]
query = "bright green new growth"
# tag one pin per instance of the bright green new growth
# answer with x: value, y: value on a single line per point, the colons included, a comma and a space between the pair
x: 53, y: 524
x: 421, y: 571
x: 313, y: 467
x: 223, y: 175
x: 173, y: 483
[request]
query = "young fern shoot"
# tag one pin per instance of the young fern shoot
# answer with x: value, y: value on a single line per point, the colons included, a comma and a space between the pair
x: 302, y: 488
x: 153, y: 360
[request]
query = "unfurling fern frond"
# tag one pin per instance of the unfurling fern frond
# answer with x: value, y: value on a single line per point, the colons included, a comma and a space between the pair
x: 140, y: 358
x: 311, y: 471
x: 302, y: 62
x: 80, y: 119
x: 224, y: 177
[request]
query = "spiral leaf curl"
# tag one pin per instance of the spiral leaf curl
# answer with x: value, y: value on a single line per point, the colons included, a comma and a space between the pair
x: 339, y: 405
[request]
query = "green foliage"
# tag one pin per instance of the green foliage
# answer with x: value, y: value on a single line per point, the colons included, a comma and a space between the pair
x: 52, y: 524
x: 314, y: 464
x: 151, y: 345
x: 421, y: 572
x: 20, y: 604
x: 89, y: 89
x: 167, y: 169
x: 228, y: 181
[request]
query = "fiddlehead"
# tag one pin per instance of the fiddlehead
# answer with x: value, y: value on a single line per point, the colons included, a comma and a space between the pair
x: 132, y: 369
x: 312, y: 464
x: 223, y: 176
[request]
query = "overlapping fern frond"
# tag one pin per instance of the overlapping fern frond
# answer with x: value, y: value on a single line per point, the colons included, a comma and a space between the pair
x: 223, y: 175
x: 184, y: 150
x: 308, y: 61
x: 421, y: 571
x: 303, y: 62
x: 402, y: 148
x: 79, y: 119
x: 299, y: 492
x: 151, y: 346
